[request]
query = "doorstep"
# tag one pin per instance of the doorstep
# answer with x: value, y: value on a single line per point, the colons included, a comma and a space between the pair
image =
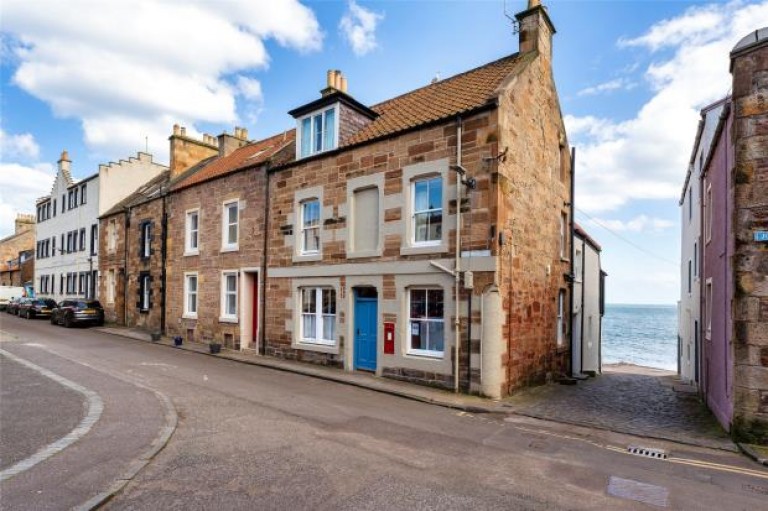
x: 463, y: 402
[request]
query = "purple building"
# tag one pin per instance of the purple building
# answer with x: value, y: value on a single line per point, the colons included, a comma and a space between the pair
x: 717, y: 275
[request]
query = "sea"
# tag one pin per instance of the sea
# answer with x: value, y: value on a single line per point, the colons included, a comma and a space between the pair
x: 643, y: 335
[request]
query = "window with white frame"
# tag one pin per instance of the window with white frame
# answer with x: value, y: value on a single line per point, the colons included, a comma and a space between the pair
x: 426, y: 322
x: 190, y: 295
x: 230, y: 219
x: 229, y: 295
x: 708, y: 297
x: 111, y: 236
x: 427, y: 211
x: 146, y: 240
x: 310, y: 226
x: 577, y: 271
x: 318, y: 315
x: 111, y: 286
x: 192, y: 237
x: 145, y: 290
x: 317, y: 132
x: 561, y: 318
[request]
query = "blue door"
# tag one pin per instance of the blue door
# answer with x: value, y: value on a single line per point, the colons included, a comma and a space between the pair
x: 365, y: 332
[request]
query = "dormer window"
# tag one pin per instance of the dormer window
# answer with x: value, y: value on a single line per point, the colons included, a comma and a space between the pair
x: 318, y: 132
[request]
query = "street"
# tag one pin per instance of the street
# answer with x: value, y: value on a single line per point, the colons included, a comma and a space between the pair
x: 254, y: 438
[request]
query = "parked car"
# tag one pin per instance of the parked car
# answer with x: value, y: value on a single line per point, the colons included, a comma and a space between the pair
x: 36, y: 308
x: 13, y: 306
x: 78, y: 312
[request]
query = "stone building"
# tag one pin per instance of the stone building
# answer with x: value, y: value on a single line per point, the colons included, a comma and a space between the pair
x: 17, y: 253
x: 734, y: 255
x: 216, y: 222
x: 363, y: 266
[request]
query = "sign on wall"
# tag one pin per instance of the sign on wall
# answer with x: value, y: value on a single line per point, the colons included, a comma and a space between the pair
x: 761, y: 236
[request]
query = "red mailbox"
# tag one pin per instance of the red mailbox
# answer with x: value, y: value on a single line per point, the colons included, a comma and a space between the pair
x: 389, y: 338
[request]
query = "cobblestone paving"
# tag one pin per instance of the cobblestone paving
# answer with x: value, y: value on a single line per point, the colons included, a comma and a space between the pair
x: 627, y: 399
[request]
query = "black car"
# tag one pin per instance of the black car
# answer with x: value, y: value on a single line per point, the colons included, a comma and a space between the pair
x: 32, y: 308
x: 78, y: 312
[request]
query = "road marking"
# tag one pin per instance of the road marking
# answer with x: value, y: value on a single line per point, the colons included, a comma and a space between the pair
x: 95, y: 407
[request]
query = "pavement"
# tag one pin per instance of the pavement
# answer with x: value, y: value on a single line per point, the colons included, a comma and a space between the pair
x: 257, y: 438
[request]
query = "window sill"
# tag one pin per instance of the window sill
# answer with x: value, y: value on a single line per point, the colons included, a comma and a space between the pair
x: 189, y: 316
x: 226, y: 319
x: 192, y: 253
x: 297, y: 258
x: 426, y: 355
x: 332, y: 349
x: 439, y: 248
x: 233, y: 248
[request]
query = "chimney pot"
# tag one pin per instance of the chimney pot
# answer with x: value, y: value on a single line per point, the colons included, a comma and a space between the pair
x: 343, y: 84
x: 176, y: 129
x: 64, y: 156
x: 183, y: 131
x: 533, y: 3
x: 244, y: 133
x: 329, y: 78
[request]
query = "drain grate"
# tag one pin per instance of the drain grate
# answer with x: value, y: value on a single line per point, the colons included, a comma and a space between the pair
x: 647, y: 452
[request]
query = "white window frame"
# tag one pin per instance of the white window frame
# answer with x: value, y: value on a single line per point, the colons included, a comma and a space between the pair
x: 311, y: 116
x: 319, y: 316
x: 709, y: 296
x: 188, y: 248
x: 187, y: 313
x: 226, y: 245
x: 303, y: 228
x: 146, y: 239
x: 420, y: 352
x: 414, y: 212
x: 111, y: 237
x: 111, y: 287
x: 226, y: 316
x: 563, y: 236
x: 561, y: 318
x: 145, y: 285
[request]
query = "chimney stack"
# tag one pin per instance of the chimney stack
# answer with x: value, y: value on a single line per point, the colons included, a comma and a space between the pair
x: 187, y: 151
x: 65, y: 164
x: 228, y: 143
x: 24, y: 222
x: 536, y: 29
x: 335, y: 82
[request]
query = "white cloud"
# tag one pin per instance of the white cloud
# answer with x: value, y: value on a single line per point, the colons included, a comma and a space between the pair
x: 22, y: 146
x: 641, y: 223
x: 609, y: 86
x: 646, y: 157
x: 20, y: 187
x: 128, y: 70
x: 358, y: 26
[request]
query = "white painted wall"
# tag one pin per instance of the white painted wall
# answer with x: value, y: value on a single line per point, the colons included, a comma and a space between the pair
x: 587, y: 320
x: 113, y: 183
x: 689, y: 315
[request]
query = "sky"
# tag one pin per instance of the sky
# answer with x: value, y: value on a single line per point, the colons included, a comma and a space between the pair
x: 104, y: 79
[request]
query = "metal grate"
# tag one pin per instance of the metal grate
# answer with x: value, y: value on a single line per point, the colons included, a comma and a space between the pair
x: 658, y: 454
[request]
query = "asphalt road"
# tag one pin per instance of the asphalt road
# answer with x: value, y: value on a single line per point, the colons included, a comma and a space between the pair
x: 254, y: 438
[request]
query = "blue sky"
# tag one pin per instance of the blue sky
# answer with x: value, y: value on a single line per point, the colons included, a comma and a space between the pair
x: 631, y: 77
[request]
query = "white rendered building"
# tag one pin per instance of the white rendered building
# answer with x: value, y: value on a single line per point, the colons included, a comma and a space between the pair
x: 67, y: 229
x: 588, y: 305
x: 689, y: 307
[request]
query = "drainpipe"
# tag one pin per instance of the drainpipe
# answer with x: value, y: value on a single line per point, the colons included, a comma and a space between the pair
x: 263, y: 277
x: 573, y: 277
x: 457, y: 269
x: 126, y: 237
x: 164, y: 255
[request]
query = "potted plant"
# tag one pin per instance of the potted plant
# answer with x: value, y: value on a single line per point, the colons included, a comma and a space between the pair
x: 214, y: 346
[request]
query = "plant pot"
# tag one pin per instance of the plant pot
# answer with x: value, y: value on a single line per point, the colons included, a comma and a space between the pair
x: 155, y: 336
x: 215, y: 347
x: 177, y: 340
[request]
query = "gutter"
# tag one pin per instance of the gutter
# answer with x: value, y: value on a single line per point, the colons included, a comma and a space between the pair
x: 262, y: 347
x: 164, y: 256
x: 572, y: 276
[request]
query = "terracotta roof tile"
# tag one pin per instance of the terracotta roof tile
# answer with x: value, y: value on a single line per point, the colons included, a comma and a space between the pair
x: 249, y: 155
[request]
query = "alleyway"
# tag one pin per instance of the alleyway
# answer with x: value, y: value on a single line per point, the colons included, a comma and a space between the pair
x: 628, y: 399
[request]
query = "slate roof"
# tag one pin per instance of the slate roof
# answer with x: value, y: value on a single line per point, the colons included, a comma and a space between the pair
x: 252, y: 154
x: 150, y: 190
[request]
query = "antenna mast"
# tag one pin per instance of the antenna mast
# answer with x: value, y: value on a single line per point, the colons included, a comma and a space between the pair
x: 515, y: 24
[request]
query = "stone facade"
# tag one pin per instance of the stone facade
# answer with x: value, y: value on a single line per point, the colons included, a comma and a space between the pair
x: 17, y: 251
x: 212, y: 259
x: 749, y: 66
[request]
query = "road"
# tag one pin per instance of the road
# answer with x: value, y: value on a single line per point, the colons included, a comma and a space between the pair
x: 254, y: 438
